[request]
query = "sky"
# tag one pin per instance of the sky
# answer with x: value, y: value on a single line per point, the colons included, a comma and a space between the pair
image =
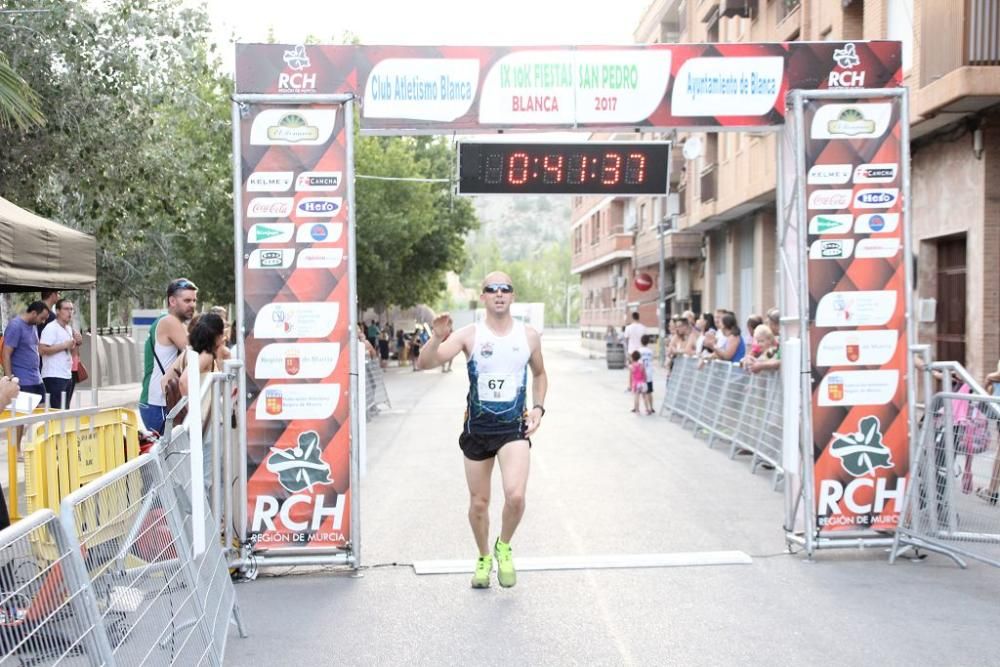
x: 431, y: 22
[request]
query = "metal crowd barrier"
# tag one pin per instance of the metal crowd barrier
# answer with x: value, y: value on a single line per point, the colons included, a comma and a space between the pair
x: 114, y: 579
x: 376, y: 394
x: 225, y: 464
x: 952, y: 502
x: 725, y: 403
x: 48, y: 613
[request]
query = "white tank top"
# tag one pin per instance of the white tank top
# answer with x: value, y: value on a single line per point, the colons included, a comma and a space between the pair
x: 498, y: 375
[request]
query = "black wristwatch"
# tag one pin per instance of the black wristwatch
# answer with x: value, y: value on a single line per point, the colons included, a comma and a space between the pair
x: 540, y: 407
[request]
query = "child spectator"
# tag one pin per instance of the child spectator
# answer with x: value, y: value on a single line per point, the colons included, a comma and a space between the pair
x: 763, y: 349
x: 638, y: 372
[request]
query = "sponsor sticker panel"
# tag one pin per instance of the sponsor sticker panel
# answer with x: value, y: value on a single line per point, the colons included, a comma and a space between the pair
x: 295, y: 300
x: 866, y: 347
x: 859, y: 411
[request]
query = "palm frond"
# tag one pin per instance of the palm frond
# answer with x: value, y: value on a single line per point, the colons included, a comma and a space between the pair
x: 19, y: 104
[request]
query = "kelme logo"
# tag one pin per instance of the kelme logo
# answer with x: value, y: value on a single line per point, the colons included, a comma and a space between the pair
x: 862, y: 452
x: 300, y: 467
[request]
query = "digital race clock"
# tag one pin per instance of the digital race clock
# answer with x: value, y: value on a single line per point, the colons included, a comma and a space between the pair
x: 616, y: 168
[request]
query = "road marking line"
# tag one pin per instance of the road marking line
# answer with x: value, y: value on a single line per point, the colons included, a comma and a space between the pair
x: 529, y: 564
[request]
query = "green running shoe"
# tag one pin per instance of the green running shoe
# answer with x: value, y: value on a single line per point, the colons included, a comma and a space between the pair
x: 505, y: 564
x: 481, y: 579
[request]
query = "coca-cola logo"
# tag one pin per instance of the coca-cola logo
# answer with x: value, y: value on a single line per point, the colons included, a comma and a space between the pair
x: 830, y: 199
x: 270, y: 207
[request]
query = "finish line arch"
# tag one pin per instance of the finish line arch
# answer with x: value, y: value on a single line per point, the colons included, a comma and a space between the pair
x: 294, y: 230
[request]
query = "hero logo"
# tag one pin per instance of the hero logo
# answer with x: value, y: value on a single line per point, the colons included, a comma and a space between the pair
x: 318, y: 207
x: 860, y: 454
x: 875, y: 173
x: 847, y: 59
x: 871, y: 198
x: 296, y: 81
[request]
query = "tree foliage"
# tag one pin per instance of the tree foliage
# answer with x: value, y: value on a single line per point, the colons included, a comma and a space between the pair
x: 137, y: 144
x: 409, y: 234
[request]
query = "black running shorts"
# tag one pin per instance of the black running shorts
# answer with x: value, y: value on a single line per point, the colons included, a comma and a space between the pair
x: 482, y: 447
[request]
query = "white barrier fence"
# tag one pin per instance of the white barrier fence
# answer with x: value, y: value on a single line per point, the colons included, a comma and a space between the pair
x: 952, y: 503
x: 725, y: 403
x: 114, y: 580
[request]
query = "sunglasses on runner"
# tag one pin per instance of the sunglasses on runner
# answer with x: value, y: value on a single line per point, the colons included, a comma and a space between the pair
x: 493, y: 288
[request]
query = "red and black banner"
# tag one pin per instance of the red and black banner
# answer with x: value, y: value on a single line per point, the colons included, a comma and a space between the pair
x: 857, y: 309
x: 297, y: 325
x: 432, y: 89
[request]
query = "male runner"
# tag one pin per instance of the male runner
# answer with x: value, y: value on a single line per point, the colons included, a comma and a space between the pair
x: 499, y: 350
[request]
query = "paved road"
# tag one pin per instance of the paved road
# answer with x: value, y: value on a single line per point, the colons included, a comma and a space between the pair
x: 603, y: 481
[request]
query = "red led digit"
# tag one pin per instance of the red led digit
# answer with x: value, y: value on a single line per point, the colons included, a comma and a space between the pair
x: 517, y: 168
x: 612, y: 170
x: 577, y: 169
x: 635, y: 168
x: 553, y: 166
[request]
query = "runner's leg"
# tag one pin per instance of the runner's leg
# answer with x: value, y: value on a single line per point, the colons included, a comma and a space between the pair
x: 478, y: 474
x: 514, y: 463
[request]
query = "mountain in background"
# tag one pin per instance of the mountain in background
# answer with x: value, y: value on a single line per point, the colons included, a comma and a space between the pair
x: 521, y: 225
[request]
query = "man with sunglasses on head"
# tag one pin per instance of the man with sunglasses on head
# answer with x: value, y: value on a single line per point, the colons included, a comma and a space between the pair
x: 498, y: 422
x: 168, y: 337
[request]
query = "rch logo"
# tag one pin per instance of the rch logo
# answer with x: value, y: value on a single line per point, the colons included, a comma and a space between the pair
x: 862, y: 452
x: 299, y: 468
x: 298, y: 81
x: 846, y: 58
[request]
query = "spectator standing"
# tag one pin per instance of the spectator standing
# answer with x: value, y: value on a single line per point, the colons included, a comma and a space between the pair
x: 753, y: 322
x: 57, y: 346
x: 646, y: 353
x: 400, y: 347
x: 416, y: 342
x: 770, y: 360
x: 383, y: 348
x: 734, y: 348
x: 774, y: 323
x: 223, y: 352
x: 370, y: 351
x: 50, y: 298
x: 632, y: 338
x: 372, y: 333
x: 20, y: 348
x: 705, y: 326
x: 168, y: 337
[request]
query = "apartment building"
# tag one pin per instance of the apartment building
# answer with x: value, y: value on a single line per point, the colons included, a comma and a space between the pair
x: 726, y: 222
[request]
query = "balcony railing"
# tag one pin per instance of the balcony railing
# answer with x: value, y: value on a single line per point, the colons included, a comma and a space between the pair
x: 969, y: 34
x: 786, y: 7
x: 982, y: 35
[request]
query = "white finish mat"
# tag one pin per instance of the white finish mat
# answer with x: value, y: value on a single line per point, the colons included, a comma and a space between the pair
x: 598, y: 562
